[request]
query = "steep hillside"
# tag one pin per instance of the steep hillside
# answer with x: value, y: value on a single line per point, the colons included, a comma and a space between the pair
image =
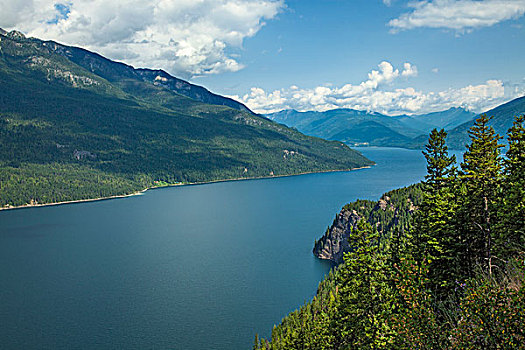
x: 68, y: 132
x: 392, y: 213
x: 138, y: 81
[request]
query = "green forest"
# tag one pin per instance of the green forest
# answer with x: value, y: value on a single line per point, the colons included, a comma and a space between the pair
x: 100, y: 128
x: 449, y: 276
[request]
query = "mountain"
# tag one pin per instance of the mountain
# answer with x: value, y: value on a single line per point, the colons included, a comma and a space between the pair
x: 75, y: 125
x: 371, y: 129
x: 447, y: 119
x: 350, y: 126
x: 361, y: 128
x: 503, y: 117
x: 131, y: 80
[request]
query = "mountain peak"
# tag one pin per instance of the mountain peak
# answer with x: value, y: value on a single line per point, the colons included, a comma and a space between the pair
x: 14, y: 34
x: 458, y: 108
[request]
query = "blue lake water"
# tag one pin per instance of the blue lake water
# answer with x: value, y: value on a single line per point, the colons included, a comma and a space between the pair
x: 191, y: 267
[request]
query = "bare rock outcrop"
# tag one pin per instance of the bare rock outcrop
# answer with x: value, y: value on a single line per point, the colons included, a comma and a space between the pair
x: 393, y: 211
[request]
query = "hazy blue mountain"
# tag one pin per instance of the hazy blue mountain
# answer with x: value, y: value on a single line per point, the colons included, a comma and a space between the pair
x: 75, y: 125
x: 368, y: 128
x: 350, y: 126
x: 503, y: 116
x: 447, y: 119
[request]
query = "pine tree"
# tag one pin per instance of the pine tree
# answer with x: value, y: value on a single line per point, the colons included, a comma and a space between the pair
x: 480, y: 177
x: 364, y: 294
x: 434, y: 234
x: 512, y: 229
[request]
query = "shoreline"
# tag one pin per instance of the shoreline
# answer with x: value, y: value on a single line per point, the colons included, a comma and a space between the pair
x: 138, y: 193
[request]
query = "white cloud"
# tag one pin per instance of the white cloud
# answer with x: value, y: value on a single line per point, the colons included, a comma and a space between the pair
x: 387, y: 2
x: 435, y: 70
x: 409, y: 70
x: 459, y: 15
x: 185, y: 37
x: 378, y: 94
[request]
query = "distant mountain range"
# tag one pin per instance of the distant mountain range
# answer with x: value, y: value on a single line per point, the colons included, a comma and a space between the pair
x: 76, y: 125
x: 502, y: 119
x: 361, y: 128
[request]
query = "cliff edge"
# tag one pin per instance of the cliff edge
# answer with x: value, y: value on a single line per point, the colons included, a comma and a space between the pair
x: 392, y: 213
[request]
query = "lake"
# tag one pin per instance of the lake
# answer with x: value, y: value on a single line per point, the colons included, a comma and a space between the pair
x: 190, y: 267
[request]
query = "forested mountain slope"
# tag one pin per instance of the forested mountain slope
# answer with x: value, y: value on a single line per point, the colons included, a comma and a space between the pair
x: 70, y: 131
x: 502, y: 118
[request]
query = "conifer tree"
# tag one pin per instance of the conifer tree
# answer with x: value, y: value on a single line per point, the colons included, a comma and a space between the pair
x: 434, y: 234
x: 480, y: 177
x: 512, y: 229
x: 364, y: 294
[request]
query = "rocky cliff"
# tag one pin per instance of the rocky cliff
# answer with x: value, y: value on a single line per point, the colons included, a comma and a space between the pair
x: 392, y: 213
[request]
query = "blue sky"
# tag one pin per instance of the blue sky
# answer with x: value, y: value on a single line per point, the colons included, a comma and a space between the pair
x: 335, y: 41
x: 392, y: 56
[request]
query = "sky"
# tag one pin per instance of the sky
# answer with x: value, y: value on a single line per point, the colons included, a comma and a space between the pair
x: 387, y: 56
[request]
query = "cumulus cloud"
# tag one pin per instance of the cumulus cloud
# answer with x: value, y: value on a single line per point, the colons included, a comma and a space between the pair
x: 378, y: 94
x: 185, y: 37
x: 409, y: 70
x: 459, y: 15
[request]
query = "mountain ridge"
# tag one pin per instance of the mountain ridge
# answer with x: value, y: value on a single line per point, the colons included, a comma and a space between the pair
x: 113, y: 71
x: 93, y: 62
x: 362, y: 128
x: 502, y: 119
x: 67, y: 133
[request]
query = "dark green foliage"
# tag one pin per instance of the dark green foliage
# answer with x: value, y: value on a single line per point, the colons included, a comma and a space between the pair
x: 491, y: 312
x: 454, y: 280
x: 364, y: 294
x: 415, y: 324
x: 479, y: 197
x: 434, y: 237
x: 512, y: 231
x: 56, y: 182
x: 102, y: 117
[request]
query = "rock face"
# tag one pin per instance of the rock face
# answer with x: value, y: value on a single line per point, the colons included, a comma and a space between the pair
x: 393, y: 212
x: 334, y: 243
x: 79, y: 155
